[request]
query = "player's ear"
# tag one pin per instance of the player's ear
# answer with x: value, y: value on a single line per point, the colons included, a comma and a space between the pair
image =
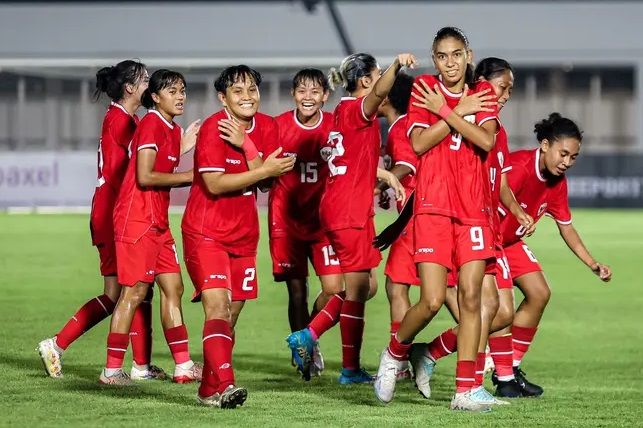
x: 325, y: 96
x: 544, y: 145
x: 129, y: 88
x: 365, y: 81
x: 222, y: 98
x: 469, y: 56
x: 156, y: 98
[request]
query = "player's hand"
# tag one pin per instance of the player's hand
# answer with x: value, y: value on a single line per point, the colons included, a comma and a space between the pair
x: 475, y: 103
x: 384, y: 200
x: 392, y: 181
x: 274, y: 166
x: 232, y: 131
x: 602, y: 271
x: 406, y: 60
x: 428, y: 98
x: 188, y: 139
x: 527, y: 222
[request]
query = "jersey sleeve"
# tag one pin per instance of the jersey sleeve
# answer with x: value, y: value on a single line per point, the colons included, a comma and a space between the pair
x: 270, y: 138
x: 485, y: 116
x: 515, y: 177
x: 558, y: 203
x: 210, y: 149
x: 502, y: 151
x: 149, y: 136
x: 418, y: 117
x: 400, y: 150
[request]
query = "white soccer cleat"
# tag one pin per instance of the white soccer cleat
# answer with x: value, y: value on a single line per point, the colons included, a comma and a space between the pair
x: 483, y: 396
x: 422, y: 367
x: 317, y: 366
x: 212, y: 401
x: 465, y: 401
x: 119, y: 378
x: 405, y: 372
x: 192, y: 374
x: 384, y: 385
x: 152, y: 373
x: 51, y: 358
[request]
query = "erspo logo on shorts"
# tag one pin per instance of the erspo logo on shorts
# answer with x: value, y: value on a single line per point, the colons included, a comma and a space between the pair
x: 218, y: 276
x: 425, y: 250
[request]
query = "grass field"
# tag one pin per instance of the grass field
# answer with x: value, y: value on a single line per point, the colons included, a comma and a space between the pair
x: 588, y: 354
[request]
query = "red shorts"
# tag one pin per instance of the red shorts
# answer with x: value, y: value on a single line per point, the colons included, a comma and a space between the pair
x: 107, y: 255
x: 153, y: 254
x: 446, y: 241
x: 354, y: 247
x: 210, y: 266
x: 290, y: 258
x: 520, y: 261
x: 400, y: 266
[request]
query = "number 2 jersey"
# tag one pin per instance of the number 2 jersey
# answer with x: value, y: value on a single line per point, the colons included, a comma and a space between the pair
x: 116, y: 135
x: 295, y: 196
x: 452, y: 178
x: 537, y: 195
x: 352, y: 152
x: 138, y: 209
x: 229, y: 219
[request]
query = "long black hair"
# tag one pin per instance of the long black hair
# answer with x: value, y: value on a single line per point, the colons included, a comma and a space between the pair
x: 556, y: 127
x: 112, y: 80
x: 160, y: 80
x: 491, y: 67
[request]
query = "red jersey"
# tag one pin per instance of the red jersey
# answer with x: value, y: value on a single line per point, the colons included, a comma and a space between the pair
x: 139, y: 208
x: 498, y: 164
x: 229, y: 219
x: 452, y: 179
x: 295, y: 196
x: 116, y: 135
x: 536, y: 194
x: 352, y: 152
x: 398, y: 147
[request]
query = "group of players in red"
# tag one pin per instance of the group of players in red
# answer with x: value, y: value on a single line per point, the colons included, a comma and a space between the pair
x: 468, y: 200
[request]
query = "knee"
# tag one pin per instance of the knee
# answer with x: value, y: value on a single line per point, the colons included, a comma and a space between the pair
x: 504, y: 316
x: 431, y: 305
x: 541, y: 296
x: 218, y: 309
x: 470, y: 299
x: 298, y: 293
x: 490, y: 305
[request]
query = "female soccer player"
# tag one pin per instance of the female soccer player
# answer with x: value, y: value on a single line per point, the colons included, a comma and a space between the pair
x: 537, y: 178
x: 124, y: 83
x: 346, y: 208
x: 451, y: 213
x: 499, y: 74
x: 144, y: 244
x: 221, y: 226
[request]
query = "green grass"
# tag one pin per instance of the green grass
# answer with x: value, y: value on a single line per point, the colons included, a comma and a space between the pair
x: 588, y: 353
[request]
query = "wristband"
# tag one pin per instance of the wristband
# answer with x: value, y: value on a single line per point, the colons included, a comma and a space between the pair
x: 249, y: 148
x: 444, y: 111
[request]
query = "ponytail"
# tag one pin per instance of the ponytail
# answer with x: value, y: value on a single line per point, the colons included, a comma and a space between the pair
x: 112, y: 80
x: 556, y: 127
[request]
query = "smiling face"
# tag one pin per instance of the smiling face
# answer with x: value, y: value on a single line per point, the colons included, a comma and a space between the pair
x: 241, y: 98
x: 450, y: 57
x: 559, y: 155
x: 309, y: 98
x: 503, y: 86
x: 170, y: 101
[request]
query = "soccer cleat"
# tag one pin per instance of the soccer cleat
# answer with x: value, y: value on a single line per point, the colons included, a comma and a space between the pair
x: 193, y: 374
x: 423, y: 368
x: 119, y: 378
x: 152, y: 373
x: 528, y: 389
x: 317, y: 366
x: 384, y: 385
x: 508, y: 388
x: 301, y: 344
x: 51, y: 358
x: 483, y: 396
x: 232, y: 397
x: 489, y: 365
x: 465, y: 401
x: 212, y: 401
x: 351, y: 376
x: 406, y: 372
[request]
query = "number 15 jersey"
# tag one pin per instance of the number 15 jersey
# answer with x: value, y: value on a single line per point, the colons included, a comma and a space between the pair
x: 352, y: 152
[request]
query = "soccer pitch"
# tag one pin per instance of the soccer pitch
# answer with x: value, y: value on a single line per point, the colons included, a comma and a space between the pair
x: 588, y: 354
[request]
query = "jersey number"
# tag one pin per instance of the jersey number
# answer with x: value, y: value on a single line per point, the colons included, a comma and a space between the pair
x: 330, y: 259
x: 250, y: 276
x: 492, y: 178
x: 531, y: 256
x: 477, y: 238
x: 308, y: 172
x: 101, y: 180
x: 456, y: 137
x: 336, y: 141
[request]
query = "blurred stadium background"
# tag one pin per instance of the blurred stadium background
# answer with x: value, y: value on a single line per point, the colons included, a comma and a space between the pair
x: 583, y: 58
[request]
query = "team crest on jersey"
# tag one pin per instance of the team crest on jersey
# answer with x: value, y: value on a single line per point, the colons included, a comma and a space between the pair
x: 325, y: 153
x: 501, y: 159
x: 388, y: 162
x: 542, y: 209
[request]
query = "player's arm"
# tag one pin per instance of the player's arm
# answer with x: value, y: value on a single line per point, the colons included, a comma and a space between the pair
x: 147, y: 177
x: 188, y: 139
x: 575, y: 243
x: 399, y: 171
x: 219, y: 183
x: 508, y: 199
x: 392, y: 182
x: 383, y: 86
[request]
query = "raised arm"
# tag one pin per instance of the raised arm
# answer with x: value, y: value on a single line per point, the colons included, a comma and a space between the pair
x: 385, y: 83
